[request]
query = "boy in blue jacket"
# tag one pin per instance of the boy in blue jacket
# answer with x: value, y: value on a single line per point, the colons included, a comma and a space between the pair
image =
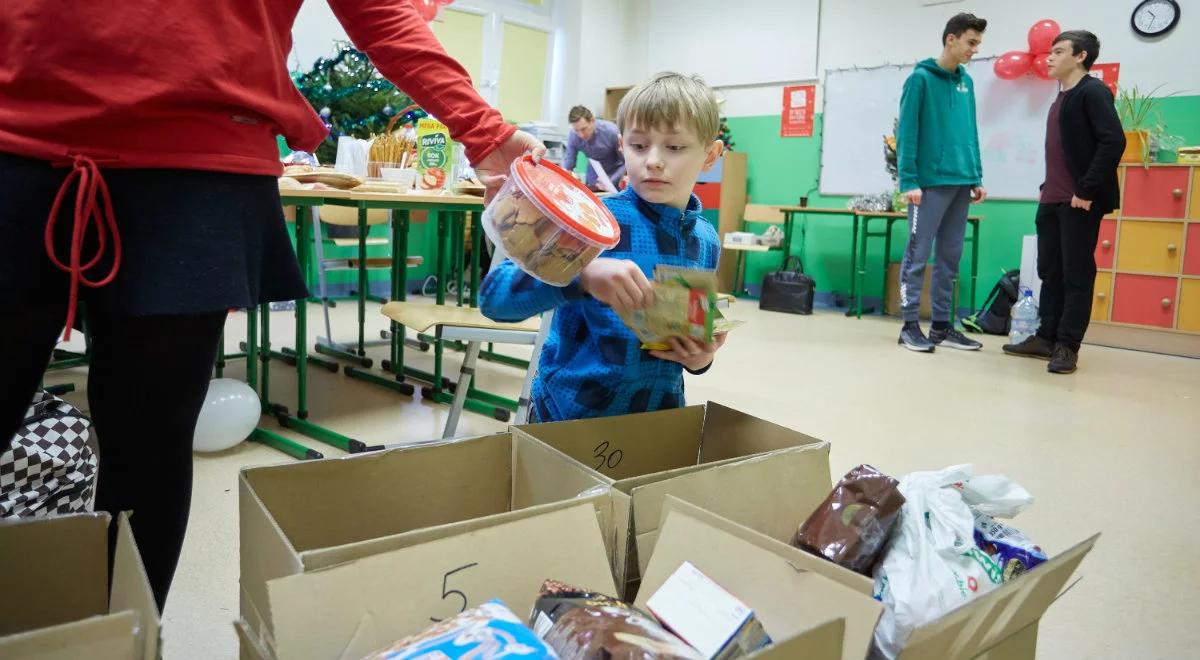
x: 591, y: 363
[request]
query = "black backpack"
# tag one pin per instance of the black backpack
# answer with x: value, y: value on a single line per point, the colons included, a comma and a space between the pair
x: 995, y: 316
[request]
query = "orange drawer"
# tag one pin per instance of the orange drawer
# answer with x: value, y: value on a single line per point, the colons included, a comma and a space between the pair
x: 1150, y: 247
x: 1144, y: 300
x: 1191, y: 259
x: 1157, y: 192
x: 1189, y: 306
x: 1107, y: 243
x: 1102, y: 297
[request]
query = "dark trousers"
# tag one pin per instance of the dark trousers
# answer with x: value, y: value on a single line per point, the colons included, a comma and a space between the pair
x: 147, y: 378
x: 1067, y: 265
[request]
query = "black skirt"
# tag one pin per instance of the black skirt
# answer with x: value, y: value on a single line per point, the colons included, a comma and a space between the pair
x: 192, y: 241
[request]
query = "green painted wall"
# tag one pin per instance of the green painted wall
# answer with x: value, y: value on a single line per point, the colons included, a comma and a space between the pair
x: 781, y: 170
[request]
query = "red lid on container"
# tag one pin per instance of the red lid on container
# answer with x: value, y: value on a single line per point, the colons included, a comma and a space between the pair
x: 574, y: 206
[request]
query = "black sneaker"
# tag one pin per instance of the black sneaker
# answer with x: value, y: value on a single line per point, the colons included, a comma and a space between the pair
x: 952, y: 338
x: 1064, y: 360
x: 1032, y: 347
x: 913, y: 339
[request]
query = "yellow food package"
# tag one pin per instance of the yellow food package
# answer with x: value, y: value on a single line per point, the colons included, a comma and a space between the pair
x: 435, y: 155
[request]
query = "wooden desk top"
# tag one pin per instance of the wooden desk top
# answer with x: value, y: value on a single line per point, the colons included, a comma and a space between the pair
x: 343, y: 196
x: 815, y: 209
x: 896, y: 214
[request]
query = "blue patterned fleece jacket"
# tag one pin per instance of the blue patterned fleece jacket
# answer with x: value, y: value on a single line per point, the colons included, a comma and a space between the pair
x: 592, y: 364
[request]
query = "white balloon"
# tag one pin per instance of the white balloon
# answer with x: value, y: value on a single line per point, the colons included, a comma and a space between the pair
x: 230, y: 413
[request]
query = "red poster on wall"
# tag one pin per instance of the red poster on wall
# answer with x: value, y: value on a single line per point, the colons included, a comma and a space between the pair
x: 1108, y: 74
x: 798, y: 108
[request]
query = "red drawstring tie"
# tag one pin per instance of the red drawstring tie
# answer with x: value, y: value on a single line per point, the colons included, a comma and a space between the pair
x: 92, y: 188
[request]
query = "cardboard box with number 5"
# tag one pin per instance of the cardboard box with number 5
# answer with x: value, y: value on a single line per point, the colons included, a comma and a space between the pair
x: 303, y: 517
x: 739, y: 466
x: 354, y: 608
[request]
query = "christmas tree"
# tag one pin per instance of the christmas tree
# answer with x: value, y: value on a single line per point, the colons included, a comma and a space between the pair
x: 724, y: 135
x: 351, y: 97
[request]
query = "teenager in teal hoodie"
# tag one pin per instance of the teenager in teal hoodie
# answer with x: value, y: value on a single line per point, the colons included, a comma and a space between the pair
x: 940, y: 175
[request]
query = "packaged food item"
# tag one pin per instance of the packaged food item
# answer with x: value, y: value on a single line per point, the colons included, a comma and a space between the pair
x: 435, y: 155
x: 584, y: 625
x: 706, y: 616
x: 1007, y: 546
x: 548, y: 223
x: 490, y: 631
x: 685, y: 305
x: 852, y: 526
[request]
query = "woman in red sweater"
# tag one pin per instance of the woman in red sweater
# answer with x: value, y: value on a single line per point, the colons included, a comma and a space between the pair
x: 138, y: 171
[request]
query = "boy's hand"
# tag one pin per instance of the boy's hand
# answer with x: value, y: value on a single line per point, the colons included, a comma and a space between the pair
x: 1077, y: 203
x: 618, y: 283
x: 913, y: 197
x: 691, y: 353
x: 978, y: 194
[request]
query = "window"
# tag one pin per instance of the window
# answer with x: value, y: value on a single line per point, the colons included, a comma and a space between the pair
x: 506, y: 46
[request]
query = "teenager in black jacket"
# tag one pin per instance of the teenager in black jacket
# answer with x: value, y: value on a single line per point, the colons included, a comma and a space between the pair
x: 1084, y: 143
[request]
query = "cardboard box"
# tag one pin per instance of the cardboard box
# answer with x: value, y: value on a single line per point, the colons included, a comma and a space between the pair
x: 301, y: 517
x: 925, y: 310
x: 791, y: 590
x: 746, y: 469
x: 55, y: 585
x: 352, y: 609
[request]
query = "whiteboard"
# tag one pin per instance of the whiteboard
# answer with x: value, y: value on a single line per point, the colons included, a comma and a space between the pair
x: 862, y: 104
x: 742, y: 43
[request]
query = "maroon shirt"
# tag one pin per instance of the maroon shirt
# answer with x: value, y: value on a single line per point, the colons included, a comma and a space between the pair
x: 1059, y: 186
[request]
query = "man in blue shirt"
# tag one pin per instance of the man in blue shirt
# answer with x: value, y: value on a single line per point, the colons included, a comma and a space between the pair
x: 599, y: 140
x: 592, y: 364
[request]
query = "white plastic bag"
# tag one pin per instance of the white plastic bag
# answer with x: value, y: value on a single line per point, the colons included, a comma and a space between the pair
x: 932, y: 564
x: 995, y: 495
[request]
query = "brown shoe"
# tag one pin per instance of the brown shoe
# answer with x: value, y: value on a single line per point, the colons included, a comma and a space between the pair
x: 1064, y: 361
x: 1032, y: 347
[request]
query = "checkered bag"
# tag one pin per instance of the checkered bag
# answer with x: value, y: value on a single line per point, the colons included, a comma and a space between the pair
x: 49, y: 467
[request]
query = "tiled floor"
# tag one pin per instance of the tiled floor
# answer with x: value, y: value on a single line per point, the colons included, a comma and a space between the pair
x: 1114, y: 448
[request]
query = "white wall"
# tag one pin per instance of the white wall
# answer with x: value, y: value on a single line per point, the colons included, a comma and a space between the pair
x: 869, y: 33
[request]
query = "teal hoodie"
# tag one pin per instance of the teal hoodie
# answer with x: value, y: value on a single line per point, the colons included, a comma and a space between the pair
x: 937, y: 143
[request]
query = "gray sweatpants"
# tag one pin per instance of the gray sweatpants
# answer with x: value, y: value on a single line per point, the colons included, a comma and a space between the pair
x: 942, y: 215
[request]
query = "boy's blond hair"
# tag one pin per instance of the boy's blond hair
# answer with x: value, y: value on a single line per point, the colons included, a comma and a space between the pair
x: 669, y: 99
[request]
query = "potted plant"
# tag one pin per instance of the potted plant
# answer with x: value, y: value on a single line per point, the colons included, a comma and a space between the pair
x: 1138, y: 112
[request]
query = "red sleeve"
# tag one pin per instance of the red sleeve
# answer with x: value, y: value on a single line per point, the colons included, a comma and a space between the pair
x: 405, y: 51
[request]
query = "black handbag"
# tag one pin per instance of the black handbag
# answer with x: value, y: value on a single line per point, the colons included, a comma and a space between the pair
x: 788, y: 290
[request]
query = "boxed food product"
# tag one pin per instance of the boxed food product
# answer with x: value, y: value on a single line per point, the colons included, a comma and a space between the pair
x: 435, y: 155
x: 706, y: 616
x: 548, y: 223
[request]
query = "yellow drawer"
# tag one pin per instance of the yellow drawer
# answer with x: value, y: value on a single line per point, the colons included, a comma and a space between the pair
x: 1102, y: 298
x: 1189, y: 306
x: 1150, y: 247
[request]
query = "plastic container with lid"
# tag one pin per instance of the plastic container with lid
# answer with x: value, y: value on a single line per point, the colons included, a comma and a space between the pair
x: 548, y: 223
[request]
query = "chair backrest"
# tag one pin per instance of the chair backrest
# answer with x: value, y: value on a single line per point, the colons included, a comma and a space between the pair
x: 763, y: 213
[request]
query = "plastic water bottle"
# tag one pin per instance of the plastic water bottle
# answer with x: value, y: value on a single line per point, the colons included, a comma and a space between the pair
x: 1025, y: 319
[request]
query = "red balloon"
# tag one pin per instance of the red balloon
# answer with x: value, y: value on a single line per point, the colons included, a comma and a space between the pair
x: 444, y: 3
x: 1013, y: 65
x: 1041, y: 67
x: 1042, y: 34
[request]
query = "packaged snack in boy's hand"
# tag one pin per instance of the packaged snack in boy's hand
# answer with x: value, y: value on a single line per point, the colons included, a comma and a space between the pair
x: 490, y: 631
x: 852, y: 526
x: 1008, y: 547
x: 685, y: 305
x: 583, y: 625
